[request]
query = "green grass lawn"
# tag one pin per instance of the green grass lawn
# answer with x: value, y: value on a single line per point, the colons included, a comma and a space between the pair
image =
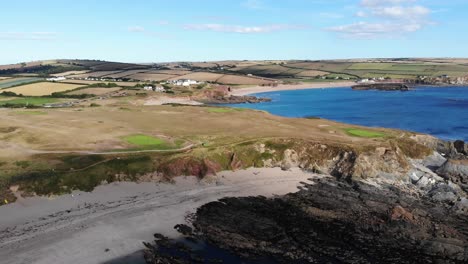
x: 37, y: 101
x: 224, y: 110
x: 364, y: 133
x: 144, y: 140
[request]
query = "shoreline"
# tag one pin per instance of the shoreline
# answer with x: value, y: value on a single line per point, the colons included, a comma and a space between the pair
x: 110, y: 223
x: 325, y: 85
x: 289, y: 87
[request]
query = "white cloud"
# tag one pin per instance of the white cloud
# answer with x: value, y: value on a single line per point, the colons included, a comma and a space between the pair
x: 386, y: 18
x: 241, y: 29
x: 361, y: 14
x: 28, y: 35
x: 253, y: 4
x: 401, y: 12
x: 372, y: 30
x: 136, y: 29
x: 373, y: 3
x: 331, y: 15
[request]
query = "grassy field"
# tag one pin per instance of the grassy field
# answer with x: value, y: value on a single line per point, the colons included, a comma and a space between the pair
x: 42, y: 88
x: 224, y: 110
x: 234, y: 79
x: 364, y: 133
x: 152, y: 76
x: 35, y: 101
x: 106, y: 128
x: 39, y: 151
x: 95, y: 91
x: 144, y: 140
x: 96, y: 74
x: 201, y: 76
x: 68, y: 73
x: 10, y: 82
x: 86, y: 82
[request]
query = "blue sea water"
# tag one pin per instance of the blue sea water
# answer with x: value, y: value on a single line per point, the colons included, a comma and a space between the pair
x: 439, y: 111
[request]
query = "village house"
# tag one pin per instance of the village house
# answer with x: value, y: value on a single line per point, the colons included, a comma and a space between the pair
x: 183, y: 82
x: 156, y: 88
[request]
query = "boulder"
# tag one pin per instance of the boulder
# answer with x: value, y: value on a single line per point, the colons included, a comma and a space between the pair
x: 455, y: 171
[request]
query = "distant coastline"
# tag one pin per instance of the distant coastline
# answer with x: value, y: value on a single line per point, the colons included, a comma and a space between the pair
x: 289, y: 87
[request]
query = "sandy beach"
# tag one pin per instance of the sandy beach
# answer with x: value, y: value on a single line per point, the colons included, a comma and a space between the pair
x: 109, y: 224
x: 286, y: 87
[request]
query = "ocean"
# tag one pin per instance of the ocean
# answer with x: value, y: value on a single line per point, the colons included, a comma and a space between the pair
x: 439, y: 111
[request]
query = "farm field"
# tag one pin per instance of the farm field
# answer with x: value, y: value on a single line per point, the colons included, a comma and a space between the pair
x: 234, y: 79
x: 311, y: 73
x: 85, y: 82
x: 95, y: 91
x: 42, y: 88
x: 69, y: 73
x: 36, y: 101
x: 201, y: 76
x: 96, y: 74
x: 238, y: 72
x: 10, y: 82
x: 151, y: 76
x: 125, y: 73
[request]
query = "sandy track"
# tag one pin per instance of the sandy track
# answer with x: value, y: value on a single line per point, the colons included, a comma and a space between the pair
x: 111, y: 222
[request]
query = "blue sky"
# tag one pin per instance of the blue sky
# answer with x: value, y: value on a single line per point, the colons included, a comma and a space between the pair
x: 204, y: 30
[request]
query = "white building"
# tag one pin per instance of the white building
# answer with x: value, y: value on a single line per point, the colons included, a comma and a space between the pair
x: 56, y: 79
x: 184, y: 82
x: 155, y: 88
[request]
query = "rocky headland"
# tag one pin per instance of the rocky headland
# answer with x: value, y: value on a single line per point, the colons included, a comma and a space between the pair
x: 385, y: 207
x: 382, y: 87
x: 234, y: 99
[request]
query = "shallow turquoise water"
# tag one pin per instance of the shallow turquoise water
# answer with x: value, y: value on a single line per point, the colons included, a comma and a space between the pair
x: 442, y: 112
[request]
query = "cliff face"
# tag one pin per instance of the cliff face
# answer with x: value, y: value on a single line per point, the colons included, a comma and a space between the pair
x: 340, y: 160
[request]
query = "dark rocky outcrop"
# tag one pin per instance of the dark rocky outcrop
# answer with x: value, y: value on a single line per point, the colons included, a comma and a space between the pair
x: 336, y: 222
x: 382, y: 87
x: 233, y: 99
x: 454, y: 150
x: 455, y: 171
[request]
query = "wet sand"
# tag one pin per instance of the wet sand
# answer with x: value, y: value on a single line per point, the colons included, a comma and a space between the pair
x: 111, y: 222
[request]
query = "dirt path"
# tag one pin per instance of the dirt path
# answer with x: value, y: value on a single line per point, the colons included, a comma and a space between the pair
x: 113, y: 221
